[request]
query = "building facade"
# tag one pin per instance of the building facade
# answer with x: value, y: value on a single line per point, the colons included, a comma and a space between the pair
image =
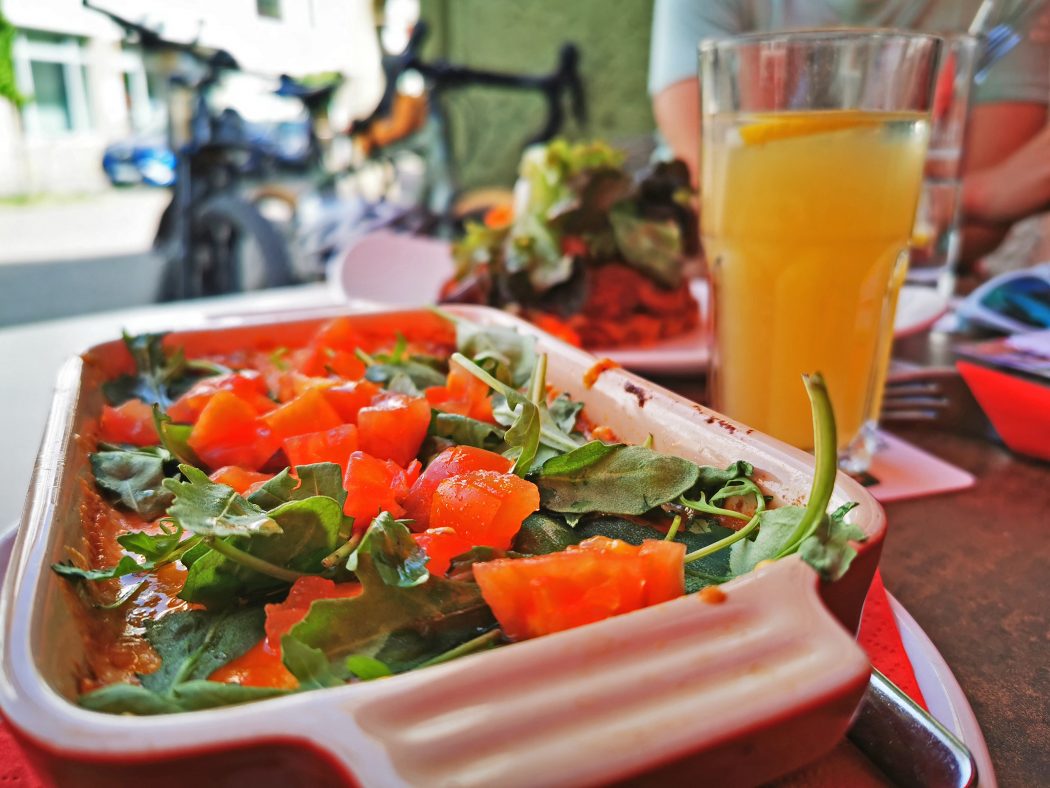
x: 88, y: 87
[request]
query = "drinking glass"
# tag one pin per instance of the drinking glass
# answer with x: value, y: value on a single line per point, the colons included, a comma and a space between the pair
x: 812, y: 154
x: 936, y: 240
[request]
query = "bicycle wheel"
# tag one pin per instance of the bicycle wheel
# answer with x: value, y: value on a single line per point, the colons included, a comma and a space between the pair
x: 232, y: 248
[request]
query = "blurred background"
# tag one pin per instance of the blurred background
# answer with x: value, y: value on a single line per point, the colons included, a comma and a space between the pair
x: 97, y: 117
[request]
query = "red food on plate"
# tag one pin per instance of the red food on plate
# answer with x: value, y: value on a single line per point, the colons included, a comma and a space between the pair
x: 594, y: 580
x: 130, y: 422
x: 485, y: 507
x: 451, y: 462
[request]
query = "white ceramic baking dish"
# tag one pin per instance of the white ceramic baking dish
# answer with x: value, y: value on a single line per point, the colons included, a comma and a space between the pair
x: 733, y: 693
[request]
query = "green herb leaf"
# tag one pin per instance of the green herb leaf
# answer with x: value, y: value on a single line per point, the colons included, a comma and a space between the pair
x: 650, y: 246
x: 400, y: 626
x: 128, y: 699
x: 775, y: 531
x: 160, y: 378
x: 711, y: 479
x: 211, y: 509
x: 422, y: 375
x: 396, y: 557
x: 175, y: 437
x: 308, y: 530
x: 125, y: 566
x: 367, y: 668
x: 194, y: 643
x: 155, y: 548
x: 828, y: 548
x: 135, y: 477
x: 502, y: 352
x: 309, y: 665
x: 542, y: 533
x: 197, y: 695
x: 465, y: 431
x: 613, y: 478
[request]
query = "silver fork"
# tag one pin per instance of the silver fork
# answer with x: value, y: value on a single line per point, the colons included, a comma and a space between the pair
x: 935, y: 397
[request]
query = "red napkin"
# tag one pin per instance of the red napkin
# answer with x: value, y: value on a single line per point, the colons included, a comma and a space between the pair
x: 879, y: 637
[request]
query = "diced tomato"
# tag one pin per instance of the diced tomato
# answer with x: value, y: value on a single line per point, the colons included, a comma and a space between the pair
x: 228, y: 432
x: 281, y: 617
x: 332, y: 349
x: 374, y: 486
x: 463, y: 394
x: 249, y: 385
x: 243, y: 481
x: 394, y: 426
x: 485, y: 507
x: 450, y: 462
x: 290, y: 384
x: 130, y: 422
x: 261, y: 666
x: 334, y: 445
x: 309, y: 412
x: 348, y: 398
x: 596, y: 579
x: 441, y: 545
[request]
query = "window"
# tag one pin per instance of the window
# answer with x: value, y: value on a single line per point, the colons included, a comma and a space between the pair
x: 270, y: 9
x: 51, y: 71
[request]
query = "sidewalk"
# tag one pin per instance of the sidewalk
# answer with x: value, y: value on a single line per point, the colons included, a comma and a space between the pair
x: 65, y: 257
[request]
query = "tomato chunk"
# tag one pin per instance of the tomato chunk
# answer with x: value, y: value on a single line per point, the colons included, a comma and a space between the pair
x: 261, y: 665
x: 349, y: 398
x: 594, y: 580
x: 450, y: 462
x: 130, y: 422
x: 485, y: 507
x: 463, y: 394
x: 374, y: 486
x: 308, y: 412
x: 249, y: 385
x: 441, y: 545
x: 393, y: 426
x: 243, y: 481
x: 334, y: 445
x: 229, y: 432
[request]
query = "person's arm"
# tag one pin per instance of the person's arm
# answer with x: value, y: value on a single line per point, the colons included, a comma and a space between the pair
x: 677, y: 112
x: 1008, y: 166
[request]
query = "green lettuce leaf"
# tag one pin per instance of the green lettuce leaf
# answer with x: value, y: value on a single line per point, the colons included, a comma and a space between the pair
x: 135, y: 477
x: 211, y: 509
x: 395, y: 555
x: 613, y: 478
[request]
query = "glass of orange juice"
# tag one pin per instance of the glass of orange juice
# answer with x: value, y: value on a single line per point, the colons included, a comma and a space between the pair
x: 812, y: 153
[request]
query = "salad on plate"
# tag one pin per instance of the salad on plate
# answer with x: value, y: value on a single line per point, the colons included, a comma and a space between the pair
x: 276, y: 519
x: 586, y: 251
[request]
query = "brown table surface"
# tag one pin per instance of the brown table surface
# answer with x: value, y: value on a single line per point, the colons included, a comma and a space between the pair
x: 973, y: 569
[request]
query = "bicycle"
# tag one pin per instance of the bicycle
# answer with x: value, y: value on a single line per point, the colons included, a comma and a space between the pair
x: 213, y: 240
x: 403, y: 136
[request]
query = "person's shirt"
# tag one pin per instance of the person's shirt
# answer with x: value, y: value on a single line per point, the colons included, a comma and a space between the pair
x: 1022, y: 75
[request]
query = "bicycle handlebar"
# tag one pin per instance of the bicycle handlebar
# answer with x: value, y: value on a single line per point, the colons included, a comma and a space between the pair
x: 216, y: 59
x: 445, y: 76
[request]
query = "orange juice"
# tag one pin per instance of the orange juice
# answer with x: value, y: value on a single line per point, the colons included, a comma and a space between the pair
x: 806, y: 218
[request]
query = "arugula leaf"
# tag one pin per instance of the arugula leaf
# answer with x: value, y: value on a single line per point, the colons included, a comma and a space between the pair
x: 563, y: 412
x: 650, y: 246
x: 502, y: 352
x: 194, y: 643
x: 175, y: 437
x: 125, y: 566
x: 128, y: 699
x: 321, y: 478
x: 542, y: 533
x: 395, y: 555
x: 421, y: 374
x: 243, y: 566
x: 211, y: 509
x: 191, y: 645
x: 463, y: 430
x: 197, y: 695
x: 367, y: 668
x: 159, y: 378
x: 827, y: 549
x: 613, y: 478
x: 400, y: 626
x: 712, y: 479
x: 136, y: 477
x: 155, y: 548
x: 309, y: 665
x: 775, y: 529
